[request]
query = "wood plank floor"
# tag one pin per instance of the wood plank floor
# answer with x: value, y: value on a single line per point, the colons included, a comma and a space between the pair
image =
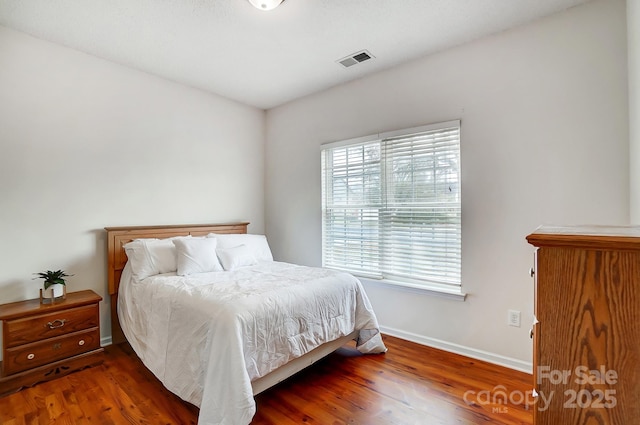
x: 410, y: 384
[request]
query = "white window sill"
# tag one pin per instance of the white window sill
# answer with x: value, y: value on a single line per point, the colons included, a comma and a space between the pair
x: 442, y: 291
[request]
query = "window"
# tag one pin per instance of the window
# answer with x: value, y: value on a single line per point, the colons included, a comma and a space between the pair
x: 391, y: 206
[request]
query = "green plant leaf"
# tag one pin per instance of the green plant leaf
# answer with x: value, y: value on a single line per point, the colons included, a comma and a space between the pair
x: 52, y: 277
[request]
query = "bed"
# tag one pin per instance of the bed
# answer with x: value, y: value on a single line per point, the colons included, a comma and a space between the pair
x: 210, y: 337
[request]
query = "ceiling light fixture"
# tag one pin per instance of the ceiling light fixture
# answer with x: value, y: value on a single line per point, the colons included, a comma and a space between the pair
x: 265, y: 4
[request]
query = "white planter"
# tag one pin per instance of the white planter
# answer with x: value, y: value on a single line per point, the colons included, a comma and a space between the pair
x: 57, y: 290
x: 52, y: 293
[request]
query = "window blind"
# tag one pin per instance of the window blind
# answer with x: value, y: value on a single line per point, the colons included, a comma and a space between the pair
x: 352, y: 200
x: 421, y: 218
x: 392, y: 208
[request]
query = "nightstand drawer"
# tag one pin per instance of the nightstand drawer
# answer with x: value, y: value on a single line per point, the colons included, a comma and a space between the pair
x: 38, y: 353
x: 37, y: 328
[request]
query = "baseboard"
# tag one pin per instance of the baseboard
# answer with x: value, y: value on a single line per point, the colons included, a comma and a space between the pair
x: 104, y: 341
x: 461, y: 349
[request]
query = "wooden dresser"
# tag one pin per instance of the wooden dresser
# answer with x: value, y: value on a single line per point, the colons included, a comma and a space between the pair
x: 587, y: 339
x: 46, y: 341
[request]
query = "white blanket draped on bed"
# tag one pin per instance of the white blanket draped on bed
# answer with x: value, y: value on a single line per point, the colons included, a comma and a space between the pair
x: 207, y: 336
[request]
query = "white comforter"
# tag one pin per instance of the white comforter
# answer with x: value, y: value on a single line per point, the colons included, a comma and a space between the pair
x: 207, y: 336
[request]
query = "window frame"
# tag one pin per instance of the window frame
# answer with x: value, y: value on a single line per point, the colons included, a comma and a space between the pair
x: 453, y: 290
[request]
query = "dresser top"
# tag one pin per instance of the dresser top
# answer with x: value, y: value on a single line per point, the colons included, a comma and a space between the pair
x: 33, y: 307
x: 594, y: 237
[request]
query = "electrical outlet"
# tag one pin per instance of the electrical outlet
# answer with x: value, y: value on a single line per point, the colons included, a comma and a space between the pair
x: 513, y: 318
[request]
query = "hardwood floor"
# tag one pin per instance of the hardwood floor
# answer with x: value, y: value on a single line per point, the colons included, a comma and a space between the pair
x: 410, y: 384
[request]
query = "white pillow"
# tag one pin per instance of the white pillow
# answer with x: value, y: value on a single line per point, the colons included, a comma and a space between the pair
x: 257, y: 244
x: 149, y: 257
x: 196, y: 255
x: 238, y: 256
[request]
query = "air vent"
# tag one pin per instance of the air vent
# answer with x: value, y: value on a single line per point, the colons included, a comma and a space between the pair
x: 348, y: 62
x: 361, y: 57
x: 355, y: 58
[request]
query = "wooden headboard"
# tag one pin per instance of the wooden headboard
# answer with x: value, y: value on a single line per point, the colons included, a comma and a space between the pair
x: 117, y: 237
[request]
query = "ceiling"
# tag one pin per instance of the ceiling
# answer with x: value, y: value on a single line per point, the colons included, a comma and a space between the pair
x: 265, y: 59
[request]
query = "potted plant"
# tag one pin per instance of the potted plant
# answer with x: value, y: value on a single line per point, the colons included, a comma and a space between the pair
x: 54, y: 284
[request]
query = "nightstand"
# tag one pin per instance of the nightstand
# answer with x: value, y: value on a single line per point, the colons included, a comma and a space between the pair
x: 46, y: 341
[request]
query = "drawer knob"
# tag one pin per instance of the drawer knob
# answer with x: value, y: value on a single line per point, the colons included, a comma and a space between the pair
x: 31, y: 356
x: 81, y: 342
x: 58, y: 323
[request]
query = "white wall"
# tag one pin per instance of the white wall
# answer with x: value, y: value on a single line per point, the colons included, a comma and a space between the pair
x: 633, y: 40
x: 85, y: 143
x: 544, y: 140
